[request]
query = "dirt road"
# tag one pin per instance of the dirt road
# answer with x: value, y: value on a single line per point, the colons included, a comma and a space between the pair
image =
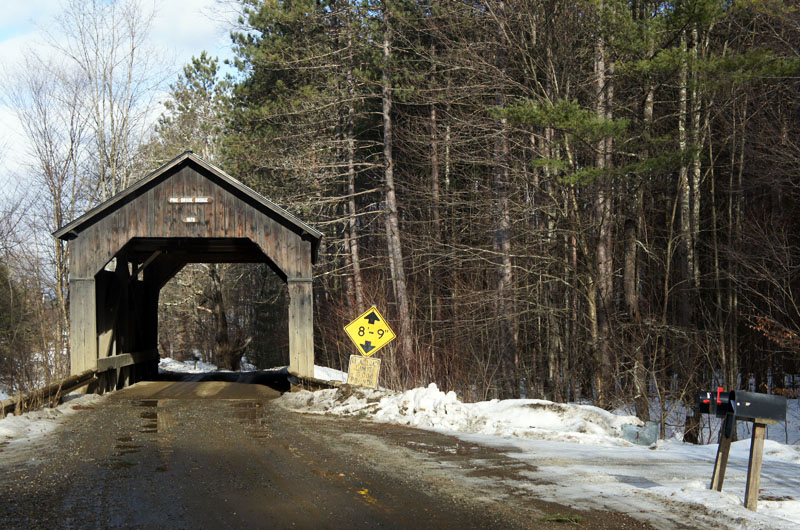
x: 220, y: 454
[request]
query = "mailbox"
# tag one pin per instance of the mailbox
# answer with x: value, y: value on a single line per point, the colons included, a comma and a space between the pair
x: 718, y: 403
x: 748, y: 406
x: 761, y: 409
x: 754, y: 406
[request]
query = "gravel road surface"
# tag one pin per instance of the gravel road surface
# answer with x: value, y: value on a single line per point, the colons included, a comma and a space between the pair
x: 222, y: 454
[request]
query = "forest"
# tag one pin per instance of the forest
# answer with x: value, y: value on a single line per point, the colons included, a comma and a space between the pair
x: 573, y: 200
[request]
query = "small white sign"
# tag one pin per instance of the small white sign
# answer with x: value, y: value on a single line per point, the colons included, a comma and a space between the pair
x: 189, y: 200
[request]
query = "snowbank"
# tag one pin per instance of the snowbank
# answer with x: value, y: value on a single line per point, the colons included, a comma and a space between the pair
x: 431, y: 408
x: 329, y: 374
x: 37, y: 423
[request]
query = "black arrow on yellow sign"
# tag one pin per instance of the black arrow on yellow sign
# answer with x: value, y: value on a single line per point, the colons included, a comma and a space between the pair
x: 372, y: 318
x: 367, y: 347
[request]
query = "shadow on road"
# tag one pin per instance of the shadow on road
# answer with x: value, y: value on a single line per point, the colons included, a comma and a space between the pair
x: 277, y: 380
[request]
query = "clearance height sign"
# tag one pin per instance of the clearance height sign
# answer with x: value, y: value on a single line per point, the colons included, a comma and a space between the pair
x: 369, y: 332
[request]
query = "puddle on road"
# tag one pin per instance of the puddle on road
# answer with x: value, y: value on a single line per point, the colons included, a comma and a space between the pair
x: 151, y: 427
x: 118, y: 464
x: 251, y: 415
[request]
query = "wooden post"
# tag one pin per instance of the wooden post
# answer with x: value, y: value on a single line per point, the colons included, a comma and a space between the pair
x: 724, y: 449
x: 301, y: 327
x: 754, y: 466
x: 83, y: 325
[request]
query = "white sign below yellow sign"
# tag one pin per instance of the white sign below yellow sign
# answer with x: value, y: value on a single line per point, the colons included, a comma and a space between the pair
x: 363, y: 371
x: 369, y: 332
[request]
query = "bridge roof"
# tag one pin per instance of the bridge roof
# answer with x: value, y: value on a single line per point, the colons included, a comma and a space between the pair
x: 73, y: 229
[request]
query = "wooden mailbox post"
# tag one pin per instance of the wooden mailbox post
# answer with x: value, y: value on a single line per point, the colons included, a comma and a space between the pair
x: 126, y: 249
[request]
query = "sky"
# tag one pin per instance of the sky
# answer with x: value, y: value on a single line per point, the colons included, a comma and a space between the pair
x: 181, y: 29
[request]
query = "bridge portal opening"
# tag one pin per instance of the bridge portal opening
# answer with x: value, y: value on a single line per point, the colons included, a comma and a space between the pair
x: 215, y: 312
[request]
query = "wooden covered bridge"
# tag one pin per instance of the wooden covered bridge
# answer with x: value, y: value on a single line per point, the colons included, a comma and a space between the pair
x: 127, y: 248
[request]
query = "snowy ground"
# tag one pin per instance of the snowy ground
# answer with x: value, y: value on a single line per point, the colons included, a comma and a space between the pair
x: 581, y: 459
x: 165, y: 364
x: 33, y: 425
x: 184, y: 367
x: 577, y: 450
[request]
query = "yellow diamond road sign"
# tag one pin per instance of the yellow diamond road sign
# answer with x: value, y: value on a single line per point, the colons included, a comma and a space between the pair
x: 369, y: 332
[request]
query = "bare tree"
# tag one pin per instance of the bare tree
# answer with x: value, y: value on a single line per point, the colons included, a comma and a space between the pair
x: 395, y: 249
x: 47, y: 99
x: 106, y: 42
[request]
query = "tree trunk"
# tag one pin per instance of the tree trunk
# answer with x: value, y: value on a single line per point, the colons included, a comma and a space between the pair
x: 603, y: 283
x: 395, y: 250
x: 227, y: 352
x: 352, y: 235
x: 505, y: 307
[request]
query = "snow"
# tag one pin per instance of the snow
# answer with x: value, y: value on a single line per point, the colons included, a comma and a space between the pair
x: 35, y: 424
x: 168, y: 365
x: 329, y: 374
x: 675, y: 414
x: 580, y: 458
x: 576, y: 453
x: 165, y: 364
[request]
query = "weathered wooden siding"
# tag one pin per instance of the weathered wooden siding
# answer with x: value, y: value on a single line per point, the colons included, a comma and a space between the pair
x: 150, y: 215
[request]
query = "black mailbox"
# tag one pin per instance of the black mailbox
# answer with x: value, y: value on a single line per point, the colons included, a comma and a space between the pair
x: 735, y: 405
x: 744, y: 405
x: 752, y: 406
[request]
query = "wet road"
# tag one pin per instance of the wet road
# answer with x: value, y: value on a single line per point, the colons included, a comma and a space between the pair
x: 219, y: 454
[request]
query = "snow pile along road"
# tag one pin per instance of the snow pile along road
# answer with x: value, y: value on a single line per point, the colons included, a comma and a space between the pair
x: 430, y: 408
x: 582, y: 460
x: 37, y: 423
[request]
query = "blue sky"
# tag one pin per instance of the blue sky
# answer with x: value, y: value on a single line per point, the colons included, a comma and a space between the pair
x: 181, y: 29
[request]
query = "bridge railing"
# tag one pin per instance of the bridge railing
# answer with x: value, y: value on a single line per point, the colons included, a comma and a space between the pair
x: 50, y: 394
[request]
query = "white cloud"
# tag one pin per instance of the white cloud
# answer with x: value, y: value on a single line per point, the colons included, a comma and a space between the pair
x: 189, y: 27
x: 20, y: 17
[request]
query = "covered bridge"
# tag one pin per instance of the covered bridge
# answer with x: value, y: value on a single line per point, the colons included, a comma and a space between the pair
x: 126, y: 249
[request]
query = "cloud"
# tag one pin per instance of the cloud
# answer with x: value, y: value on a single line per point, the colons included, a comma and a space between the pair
x: 21, y: 17
x: 189, y: 27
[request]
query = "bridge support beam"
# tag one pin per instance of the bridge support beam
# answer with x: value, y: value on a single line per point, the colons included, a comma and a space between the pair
x: 83, y: 325
x: 301, y: 327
